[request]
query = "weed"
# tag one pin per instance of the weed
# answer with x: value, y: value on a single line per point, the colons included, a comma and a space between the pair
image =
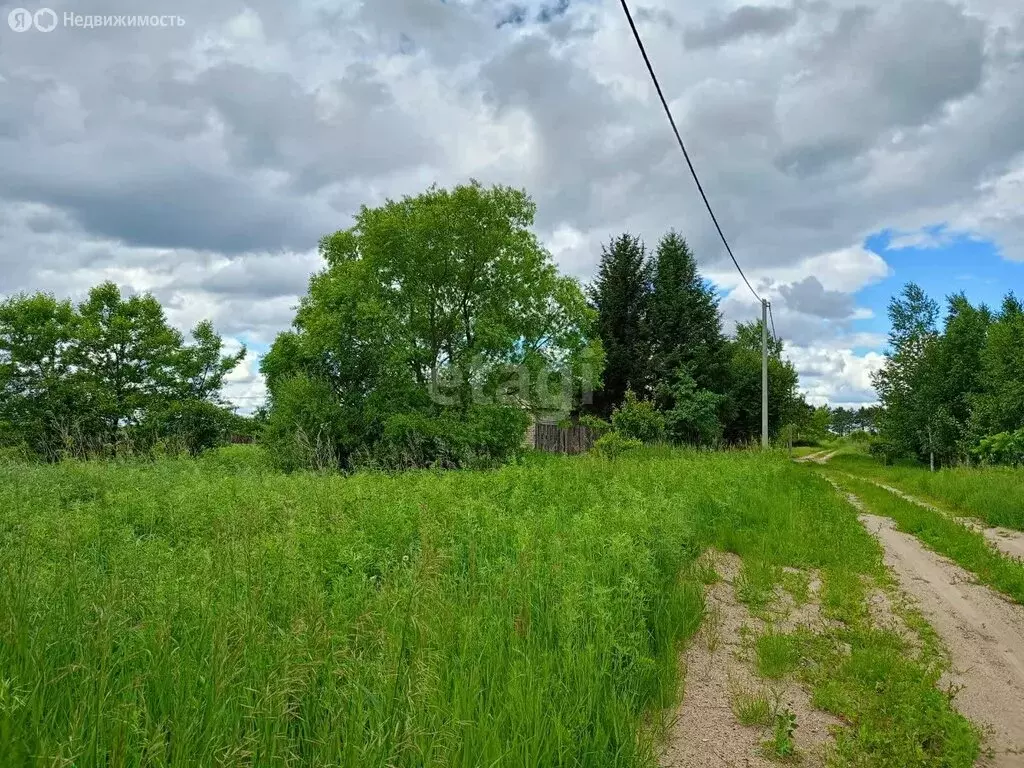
x: 755, y: 585
x: 797, y: 584
x: 751, y: 708
x: 777, y: 655
x: 781, y: 746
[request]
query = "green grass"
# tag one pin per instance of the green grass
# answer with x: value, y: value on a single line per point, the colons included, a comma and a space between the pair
x: 215, y: 612
x: 992, y: 494
x: 944, y: 535
x: 752, y: 708
x: 778, y: 655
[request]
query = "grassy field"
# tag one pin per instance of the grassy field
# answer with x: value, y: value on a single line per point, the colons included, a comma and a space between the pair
x: 214, y: 612
x: 992, y: 494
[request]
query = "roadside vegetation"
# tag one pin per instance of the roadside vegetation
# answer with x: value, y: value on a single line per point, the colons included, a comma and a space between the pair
x: 216, y: 611
x: 994, y: 495
x: 941, y: 533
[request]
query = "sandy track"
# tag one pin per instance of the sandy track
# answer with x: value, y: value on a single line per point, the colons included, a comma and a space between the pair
x: 983, y: 631
x: 1007, y: 541
x: 705, y: 733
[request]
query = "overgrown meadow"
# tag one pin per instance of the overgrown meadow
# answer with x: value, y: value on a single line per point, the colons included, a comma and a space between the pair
x: 216, y: 612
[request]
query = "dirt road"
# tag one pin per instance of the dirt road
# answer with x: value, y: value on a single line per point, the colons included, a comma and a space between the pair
x: 1007, y: 541
x: 706, y: 733
x: 983, y: 631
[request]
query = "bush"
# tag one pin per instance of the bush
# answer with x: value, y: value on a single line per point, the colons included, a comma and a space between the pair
x: 486, y: 436
x: 1003, y: 448
x: 639, y: 420
x: 884, y: 450
x: 593, y: 422
x: 307, y: 427
x: 693, y: 418
x: 614, y: 444
x: 189, y: 426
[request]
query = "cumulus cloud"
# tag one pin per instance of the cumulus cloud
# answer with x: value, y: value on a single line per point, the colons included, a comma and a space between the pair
x: 203, y: 162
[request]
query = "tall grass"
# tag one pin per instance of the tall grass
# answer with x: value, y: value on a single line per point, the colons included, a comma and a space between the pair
x: 992, y: 494
x: 214, y: 612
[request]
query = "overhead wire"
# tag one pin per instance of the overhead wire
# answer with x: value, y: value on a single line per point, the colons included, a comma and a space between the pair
x: 682, y: 146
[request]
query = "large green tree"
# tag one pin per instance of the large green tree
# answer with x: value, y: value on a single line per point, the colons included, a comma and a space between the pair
x: 84, y: 379
x: 434, y: 303
x: 915, y: 419
x: 742, y: 405
x: 685, y: 323
x: 1000, y: 404
x: 621, y: 295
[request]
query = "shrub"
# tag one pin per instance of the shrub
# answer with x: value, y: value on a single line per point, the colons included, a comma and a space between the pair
x: 693, y: 419
x: 486, y: 436
x: 1003, y: 448
x: 638, y: 419
x: 593, y: 422
x: 614, y: 444
x: 189, y: 426
x: 307, y: 427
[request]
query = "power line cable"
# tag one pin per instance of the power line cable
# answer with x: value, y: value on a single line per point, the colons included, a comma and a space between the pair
x: 682, y: 146
x: 771, y: 314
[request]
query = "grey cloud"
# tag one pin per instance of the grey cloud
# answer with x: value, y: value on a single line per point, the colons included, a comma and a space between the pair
x: 181, y: 161
x: 809, y: 297
x: 745, y: 21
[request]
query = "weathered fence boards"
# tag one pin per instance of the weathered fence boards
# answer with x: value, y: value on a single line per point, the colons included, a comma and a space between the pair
x: 552, y: 438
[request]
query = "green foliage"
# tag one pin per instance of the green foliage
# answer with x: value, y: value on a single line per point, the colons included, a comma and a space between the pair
x: 686, y: 325
x: 1004, y: 448
x: 429, y: 306
x: 944, y: 393
x: 614, y: 444
x: 742, y: 404
x: 84, y: 380
x: 593, y: 422
x: 487, y: 436
x: 781, y: 745
x: 693, y: 418
x: 189, y: 426
x: 638, y: 419
x: 621, y: 296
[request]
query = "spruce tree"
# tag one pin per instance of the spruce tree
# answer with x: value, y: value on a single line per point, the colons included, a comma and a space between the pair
x: 685, y: 324
x: 621, y: 296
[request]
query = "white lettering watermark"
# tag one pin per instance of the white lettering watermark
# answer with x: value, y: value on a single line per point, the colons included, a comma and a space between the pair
x: 46, y: 20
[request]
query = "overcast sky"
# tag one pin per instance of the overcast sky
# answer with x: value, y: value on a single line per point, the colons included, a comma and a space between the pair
x: 847, y: 147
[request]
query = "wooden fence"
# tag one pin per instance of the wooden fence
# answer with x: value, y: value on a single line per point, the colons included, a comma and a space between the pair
x: 552, y: 438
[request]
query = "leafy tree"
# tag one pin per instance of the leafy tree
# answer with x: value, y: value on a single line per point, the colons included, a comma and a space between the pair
x: 693, y: 418
x: 742, y: 405
x: 685, y: 324
x: 430, y: 304
x: 86, y: 379
x: 914, y: 420
x: 621, y: 296
x: 1000, y: 406
x: 43, y: 399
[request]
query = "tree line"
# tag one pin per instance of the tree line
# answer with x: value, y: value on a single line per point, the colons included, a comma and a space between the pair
x: 953, y: 394
x: 437, y: 329
x: 662, y: 333
x: 107, y: 376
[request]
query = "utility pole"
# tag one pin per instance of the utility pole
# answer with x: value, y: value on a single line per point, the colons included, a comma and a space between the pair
x: 764, y: 373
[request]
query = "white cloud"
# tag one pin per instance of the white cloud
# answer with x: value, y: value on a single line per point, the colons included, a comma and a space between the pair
x: 203, y: 163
